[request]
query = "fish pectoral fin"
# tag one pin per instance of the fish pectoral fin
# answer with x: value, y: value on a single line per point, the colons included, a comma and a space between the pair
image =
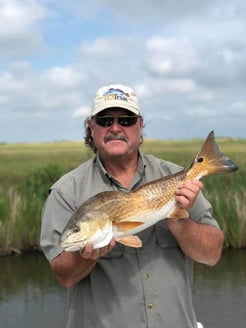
x: 131, y: 241
x: 127, y: 225
x: 178, y: 213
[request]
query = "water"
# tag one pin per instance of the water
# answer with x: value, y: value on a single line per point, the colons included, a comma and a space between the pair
x: 220, y: 292
x: 29, y: 294
x: 30, y: 297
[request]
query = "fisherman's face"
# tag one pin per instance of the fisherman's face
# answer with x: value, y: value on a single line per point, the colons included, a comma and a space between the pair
x: 116, y: 140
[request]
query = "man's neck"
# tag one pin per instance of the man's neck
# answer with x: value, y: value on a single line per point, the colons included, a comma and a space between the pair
x: 123, y: 170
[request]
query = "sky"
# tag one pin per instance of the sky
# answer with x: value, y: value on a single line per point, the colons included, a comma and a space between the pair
x: 185, y: 60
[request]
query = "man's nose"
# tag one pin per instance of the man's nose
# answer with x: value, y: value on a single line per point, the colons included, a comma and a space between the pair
x: 115, y: 125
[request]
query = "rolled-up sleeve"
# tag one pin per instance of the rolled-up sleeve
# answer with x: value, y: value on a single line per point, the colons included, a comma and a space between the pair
x: 55, y: 215
x: 202, y: 212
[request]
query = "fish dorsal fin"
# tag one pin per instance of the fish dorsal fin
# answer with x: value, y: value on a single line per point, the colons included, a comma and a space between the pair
x: 127, y: 225
x: 178, y: 213
x: 131, y: 241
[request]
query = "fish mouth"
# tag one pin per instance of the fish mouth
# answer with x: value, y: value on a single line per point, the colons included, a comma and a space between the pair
x: 75, y: 246
x: 230, y: 165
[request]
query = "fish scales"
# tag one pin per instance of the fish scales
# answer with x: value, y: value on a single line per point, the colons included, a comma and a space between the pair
x: 123, y: 214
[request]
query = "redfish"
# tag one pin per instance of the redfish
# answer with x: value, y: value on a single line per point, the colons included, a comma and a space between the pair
x: 123, y: 214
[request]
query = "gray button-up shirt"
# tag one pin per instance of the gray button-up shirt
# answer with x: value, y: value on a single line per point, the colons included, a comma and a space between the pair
x: 150, y: 287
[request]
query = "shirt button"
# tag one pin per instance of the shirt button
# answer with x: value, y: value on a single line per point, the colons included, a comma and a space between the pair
x: 150, y: 305
x: 146, y: 276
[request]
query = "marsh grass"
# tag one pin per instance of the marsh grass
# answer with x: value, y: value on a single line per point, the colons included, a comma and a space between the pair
x: 21, y: 207
x: 11, y: 235
x: 28, y: 170
x: 228, y: 198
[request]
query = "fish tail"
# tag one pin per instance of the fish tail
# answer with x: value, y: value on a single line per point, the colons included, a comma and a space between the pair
x: 210, y: 160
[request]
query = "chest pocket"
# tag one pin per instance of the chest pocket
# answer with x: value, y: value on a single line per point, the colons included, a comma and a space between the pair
x: 116, y: 252
x: 164, y: 236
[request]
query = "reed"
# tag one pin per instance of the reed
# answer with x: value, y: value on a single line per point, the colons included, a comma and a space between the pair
x: 20, y: 209
x: 228, y: 198
x: 9, y: 227
x: 27, y: 172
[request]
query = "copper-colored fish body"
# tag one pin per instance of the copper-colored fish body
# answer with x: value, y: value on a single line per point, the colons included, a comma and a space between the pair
x: 122, y: 215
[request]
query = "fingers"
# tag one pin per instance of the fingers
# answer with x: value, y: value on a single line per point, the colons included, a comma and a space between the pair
x: 89, y: 253
x: 93, y: 254
x: 188, y: 192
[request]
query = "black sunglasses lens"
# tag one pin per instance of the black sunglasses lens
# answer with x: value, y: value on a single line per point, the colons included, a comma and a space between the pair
x: 127, y: 120
x: 106, y: 121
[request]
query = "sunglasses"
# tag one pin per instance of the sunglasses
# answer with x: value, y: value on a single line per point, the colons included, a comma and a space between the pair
x: 125, y: 121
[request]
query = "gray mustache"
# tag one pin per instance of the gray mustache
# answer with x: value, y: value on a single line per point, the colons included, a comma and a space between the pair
x: 115, y: 136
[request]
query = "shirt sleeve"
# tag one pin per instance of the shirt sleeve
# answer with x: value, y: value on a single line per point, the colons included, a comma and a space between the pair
x: 201, y: 211
x: 55, y: 215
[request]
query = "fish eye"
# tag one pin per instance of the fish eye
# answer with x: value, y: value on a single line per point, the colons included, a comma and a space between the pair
x: 200, y: 160
x: 76, y: 229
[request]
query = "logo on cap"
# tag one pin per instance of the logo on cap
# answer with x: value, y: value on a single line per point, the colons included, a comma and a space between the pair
x: 115, y: 94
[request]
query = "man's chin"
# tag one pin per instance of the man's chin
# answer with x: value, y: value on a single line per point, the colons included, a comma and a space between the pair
x: 116, y: 141
x: 116, y: 147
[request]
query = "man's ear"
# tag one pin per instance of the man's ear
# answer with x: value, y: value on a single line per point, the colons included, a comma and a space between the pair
x: 90, y: 126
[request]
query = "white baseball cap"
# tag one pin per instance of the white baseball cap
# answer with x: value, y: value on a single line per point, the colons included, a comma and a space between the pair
x: 115, y: 96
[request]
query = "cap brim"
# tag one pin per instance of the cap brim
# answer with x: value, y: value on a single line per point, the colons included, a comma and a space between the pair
x: 114, y: 104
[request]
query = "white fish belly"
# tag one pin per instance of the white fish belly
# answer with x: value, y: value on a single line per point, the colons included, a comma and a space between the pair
x: 148, y: 220
x: 102, y: 238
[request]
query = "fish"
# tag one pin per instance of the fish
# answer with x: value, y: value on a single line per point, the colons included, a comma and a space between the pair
x: 122, y: 215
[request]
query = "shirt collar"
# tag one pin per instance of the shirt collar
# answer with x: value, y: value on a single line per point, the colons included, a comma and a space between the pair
x: 110, y: 180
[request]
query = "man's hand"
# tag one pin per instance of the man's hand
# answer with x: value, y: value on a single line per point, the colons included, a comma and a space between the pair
x: 203, y: 243
x: 188, y: 192
x: 93, y: 254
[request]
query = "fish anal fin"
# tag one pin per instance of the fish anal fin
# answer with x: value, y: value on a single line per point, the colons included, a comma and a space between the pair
x: 127, y: 225
x: 131, y: 241
x: 178, y: 213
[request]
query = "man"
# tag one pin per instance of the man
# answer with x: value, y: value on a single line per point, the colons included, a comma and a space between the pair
x: 119, y: 286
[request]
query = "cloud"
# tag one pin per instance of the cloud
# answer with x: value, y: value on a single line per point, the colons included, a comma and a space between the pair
x: 82, y: 111
x: 160, y: 9
x: 155, y: 88
x: 203, y: 95
x: 185, y: 60
x: 18, y: 27
x: 58, y: 88
x: 171, y: 55
x: 63, y: 78
x: 100, y: 47
x: 201, y: 112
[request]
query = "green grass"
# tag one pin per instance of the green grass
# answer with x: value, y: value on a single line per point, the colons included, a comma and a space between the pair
x: 28, y: 170
x: 17, y: 160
